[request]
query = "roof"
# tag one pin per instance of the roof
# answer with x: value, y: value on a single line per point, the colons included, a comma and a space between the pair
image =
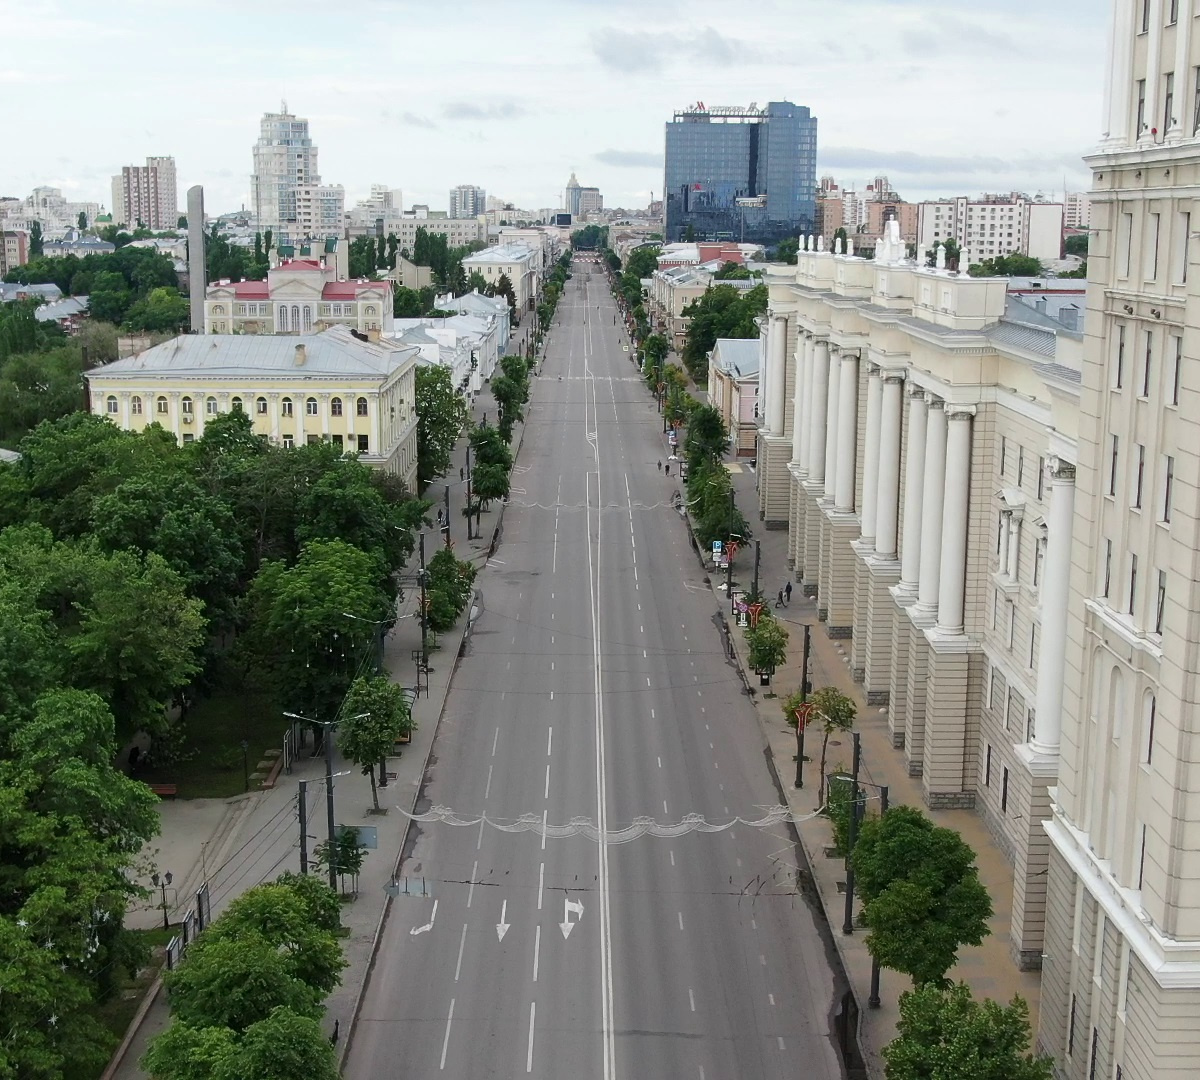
x: 348, y: 290
x: 484, y: 305
x: 501, y: 253
x: 61, y: 309
x: 250, y: 290
x: 333, y: 352
x: 14, y: 292
x: 737, y: 356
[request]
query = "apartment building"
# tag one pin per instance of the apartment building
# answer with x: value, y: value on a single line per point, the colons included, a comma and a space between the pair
x: 285, y: 187
x: 993, y: 225
x: 517, y: 262
x: 14, y: 250
x: 1121, y: 972
x: 1077, y: 210
x: 147, y: 195
x: 459, y: 232
x: 467, y: 201
x: 918, y: 438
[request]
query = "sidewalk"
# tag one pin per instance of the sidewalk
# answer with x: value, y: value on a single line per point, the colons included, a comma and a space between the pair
x: 240, y: 842
x: 987, y: 969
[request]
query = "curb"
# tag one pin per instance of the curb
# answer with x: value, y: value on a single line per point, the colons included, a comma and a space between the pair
x: 139, y: 1018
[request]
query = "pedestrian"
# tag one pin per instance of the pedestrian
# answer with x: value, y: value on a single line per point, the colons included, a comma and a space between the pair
x: 668, y: 468
x: 787, y: 593
x: 462, y: 474
x: 439, y: 518
x: 779, y: 601
x: 660, y: 464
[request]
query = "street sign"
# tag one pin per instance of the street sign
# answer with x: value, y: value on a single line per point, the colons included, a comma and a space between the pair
x: 754, y: 610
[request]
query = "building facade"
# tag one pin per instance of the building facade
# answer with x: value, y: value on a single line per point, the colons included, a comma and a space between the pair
x: 517, y: 262
x: 467, y: 201
x: 459, y: 232
x: 919, y: 436
x: 286, y: 175
x: 994, y: 225
x: 146, y: 194
x: 14, y: 250
x: 50, y: 209
x: 1121, y: 975
x: 736, y: 173
x: 1077, y: 210
x: 733, y: 367
x: 301, y: 296
x: 328, y: 387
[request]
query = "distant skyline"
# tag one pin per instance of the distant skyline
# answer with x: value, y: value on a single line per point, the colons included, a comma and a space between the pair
x: 944, y: 98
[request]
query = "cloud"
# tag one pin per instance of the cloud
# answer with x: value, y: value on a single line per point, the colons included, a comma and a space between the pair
x: 906, y: 161
x: 629, y: 159
x: 467, y: 110
x: 412, y: 119
x: 639, y: 52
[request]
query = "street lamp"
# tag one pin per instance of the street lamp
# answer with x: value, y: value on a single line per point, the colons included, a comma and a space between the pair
x: 162, y: 883
x: 327, y: 727
x: 246, y: 765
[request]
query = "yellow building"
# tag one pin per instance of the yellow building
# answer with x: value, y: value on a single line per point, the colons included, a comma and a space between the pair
x: 331, y: 386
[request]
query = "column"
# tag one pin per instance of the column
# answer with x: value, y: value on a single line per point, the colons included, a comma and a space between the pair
x: 831, y: 424
x: 816, y: 410
x: 952, y: 575
x: 871, y: 443
x: 1154, y: 117
x: 776, y: 377
x: 1055, y: 587
x: 1183, y: 45
x: 887, y: 491
x: 1013, y: 554
x: 914, y: 489
x: 1122, y: 110
x: 932, y: 492
x: 847, y: 432
x: 798, y: 403
x: 1005, y: 532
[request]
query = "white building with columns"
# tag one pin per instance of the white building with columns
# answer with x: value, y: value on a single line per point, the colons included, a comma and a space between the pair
x: 918, y: 441
x: 1121, y: 974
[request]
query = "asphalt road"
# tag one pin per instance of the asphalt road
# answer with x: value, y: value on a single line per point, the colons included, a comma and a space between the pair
x: 595, y: 690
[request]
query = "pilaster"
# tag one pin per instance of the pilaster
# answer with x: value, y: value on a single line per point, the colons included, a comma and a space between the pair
x: 842, y: 529
x: 915, y: 689
x: 813, y: 519
x: 898, y: 660
x: 1029, y: 804
x: 951, y: 725
x: 876, y: 628
x: 774, y: 480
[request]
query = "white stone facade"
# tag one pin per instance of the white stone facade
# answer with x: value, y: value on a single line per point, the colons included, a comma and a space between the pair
x: 994, y: 225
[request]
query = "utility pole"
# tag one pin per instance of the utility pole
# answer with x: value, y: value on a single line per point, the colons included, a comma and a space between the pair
x: 424, y: 638
x: 873, y: 1000
x: 333, y: 859
x: 804, y: 688
x: 447, y: 513
x: 729, y: 553
x: 303, y: 814
x: 468, y: 474
x: 851, y: 837
x: 757, y: 558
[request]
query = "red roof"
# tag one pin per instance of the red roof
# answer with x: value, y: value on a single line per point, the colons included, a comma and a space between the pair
x: 348, y: 290
x: 250, y: 290
x: 300, y: 264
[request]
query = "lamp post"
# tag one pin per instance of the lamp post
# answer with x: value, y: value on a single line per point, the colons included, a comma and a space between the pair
x: 245, y: 765
x: 162, y: 883
x: 802, y: 722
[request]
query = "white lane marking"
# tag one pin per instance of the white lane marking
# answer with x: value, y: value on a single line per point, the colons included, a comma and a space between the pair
x: 771, y: 998
x: 665, y: 811
x: 461, y: 942
x: 753, y: 924
x: 546, y: 794
x: 549, y: 739
x: 569, y: 906
x: 495, y: 740
x: 710, y: 746
x: 429, y: 925
x: 701, y: 1072
x: 479, y: 842
x: 503, y: 925
x: 643, y: 654
x: 541, y: 884
x: 544, y: 830
x: 514, y: 637
x: 660, y: 763
x: 551, y: 665
x: 721, y: 787
x: 529, y: 1052
x: 488, y: 790
x: 703, y: 709
x: 446, y: 1039
x: 647, y: 680
x: 681, y: 920
x: 692, y: 999
x: 641, y: 629
x: 762, y: 960
x: 672, y: 854
x: 554, y: 556
x: 537, y: 950
x: 781, y: 1046
x: 639, y: 607
x: 474, y: 876
x: 508, y: 666
x: 651, y: 714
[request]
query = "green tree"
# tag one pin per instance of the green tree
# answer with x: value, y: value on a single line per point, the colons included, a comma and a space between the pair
x: 441, y: 416
x: 655, y: 348
x: 767, y: 643
x: 284, y: 1046
x: 163, y: 310
x: 185, y: 1052
x: 952, y: 253
x: 1077, y: 244
x: 722, y: 312
x: 922, y: 897
x: 732, y: 271
x: 181, y: 222
x: 362, y: 257
x: 944, y: 1034
x: 590, y: 238
x: 489, y: 482
x: 82, y: 221
x: 787, y: 250
x: 504, y: 287
x: 1013, y: 265
x: 476, y: 282
x: 835, y: 712
x: 489, y: 448
x: 450, y: 584
x: 36, y: 241
x: 375, y: 715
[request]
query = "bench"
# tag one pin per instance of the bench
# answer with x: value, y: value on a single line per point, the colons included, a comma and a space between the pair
x: 164, y: 791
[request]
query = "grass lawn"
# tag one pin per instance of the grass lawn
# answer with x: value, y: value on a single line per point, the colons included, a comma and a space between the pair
x: 216, y: 727
x: 117, y: 1013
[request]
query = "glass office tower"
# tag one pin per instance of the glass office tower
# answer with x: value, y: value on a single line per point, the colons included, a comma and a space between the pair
x: 739, y: 174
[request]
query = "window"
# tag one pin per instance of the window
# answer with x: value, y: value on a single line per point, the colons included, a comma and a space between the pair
x: 337, y: 441
x: 283, y: 319
x: 1168, y: 486
x: 1168, y: 101
x: 186, y: 406
x: 1160, y: 602
x: 1032, y: 646
x: 1151, y: 253
x: 1119, y: 366
x: 1173, y: 12
x: 995, y: 608
x: 1137, y: 479
x: 188, y: 437
x: 1012, y: 624
x: 1180, y: 248
x: 1003, y: 454
x: 310, y: 406
x: 1142, y: 859
x: 1039, y: 555
x: 286, y: 406
x: 1114, y: 446
x: 1176, y: 362
x: 111, y: 405
x: 1071, y: 1027
x: 1196, y: 106
x: 1133, y: 582
x: 236, y: 404
x: 260, y: 406
x: 1041, y: 479
x: 1004, y: 790
x: 160, y: 405
x: 1149, y: 715
x: 210, y: 406
x: 1141, y: 107
x: 364, y: 446
x: 135, y: 405
x: 361, y: 406
x: 1124, y: 244
x: 296, y: 317
x: 288, y: 441
x: 335, y: 406
x: 307, y: 318
x: 987, y: 766
x: 312, y: 440
x: 1107, y: 567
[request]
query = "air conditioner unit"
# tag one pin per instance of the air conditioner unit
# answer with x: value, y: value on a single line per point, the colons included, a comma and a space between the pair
x: 187, y: 419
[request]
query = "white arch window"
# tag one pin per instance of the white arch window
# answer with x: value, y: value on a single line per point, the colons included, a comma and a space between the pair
x: 335, y: 406
x: 1116, y: 702
x: 111, y: 404
x: 260, y: 406
x: 210, y: 406
x: 1149, y: 715
x: 310, y: 406
x: 296, y: 317
x: 361, y: 406
x: 286, y: 406
x: 307, y: 318
x: 283, y: 317
x: 135, y: 405
x: 236, y: 404
x: 186, y: 406
x: 162, y: 406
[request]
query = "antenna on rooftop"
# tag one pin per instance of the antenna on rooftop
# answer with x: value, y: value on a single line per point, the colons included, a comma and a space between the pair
x: 283, y: 105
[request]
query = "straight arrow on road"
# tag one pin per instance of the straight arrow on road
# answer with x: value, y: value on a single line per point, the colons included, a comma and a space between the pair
x: 503, y: 925
x: 569, y: 906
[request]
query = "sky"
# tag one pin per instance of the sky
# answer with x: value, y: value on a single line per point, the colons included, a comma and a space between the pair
x: 946, y: 97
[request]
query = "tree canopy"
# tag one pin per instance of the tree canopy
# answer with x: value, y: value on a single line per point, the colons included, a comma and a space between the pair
x: 722, y: 312
x: 441, y: 416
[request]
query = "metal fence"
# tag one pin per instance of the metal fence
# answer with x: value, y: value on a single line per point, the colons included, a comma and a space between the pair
x: 193, y: 922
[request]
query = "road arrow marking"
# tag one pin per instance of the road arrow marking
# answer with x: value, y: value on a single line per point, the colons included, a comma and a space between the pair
x: 429, y: 925
x: 569, y: 906
x: 502, y: 926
